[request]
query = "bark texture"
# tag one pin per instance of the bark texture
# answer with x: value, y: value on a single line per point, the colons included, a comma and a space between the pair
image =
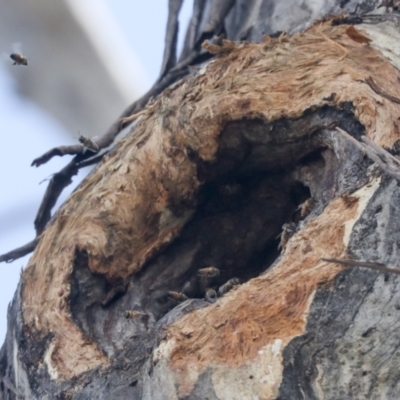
x: 213, y: 169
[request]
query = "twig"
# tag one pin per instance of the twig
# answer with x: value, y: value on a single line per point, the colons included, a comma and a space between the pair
x: 171, y: 36
x: 193, y: 28
x: 379, y: 18
x: 389, y: 158
x: 214, y: 20
x: 58, y: 151
x: 58, y: 182
x: 376, y: 154
x: 365, y: 264
x: 20, y: 252
x: 56, y: 185
x: 381, y: 92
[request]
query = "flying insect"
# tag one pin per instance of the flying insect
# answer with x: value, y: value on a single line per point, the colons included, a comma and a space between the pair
x: 18, y: 59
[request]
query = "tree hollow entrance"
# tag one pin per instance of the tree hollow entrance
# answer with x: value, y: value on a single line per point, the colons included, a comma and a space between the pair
x: 261, y: 175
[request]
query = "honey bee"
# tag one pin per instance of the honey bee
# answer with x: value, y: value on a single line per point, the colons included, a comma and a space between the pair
x: 307, y: 207
x: 176, y: 296
x: 132, y: 314
x: 225, y: 288
x: 211, y: 295
x: 19, y: 59
x: 89, y: 143
x: 210, y: 272
x: 288, y: 230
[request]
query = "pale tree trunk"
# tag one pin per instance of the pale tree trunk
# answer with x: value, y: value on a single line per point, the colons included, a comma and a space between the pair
x: 213, y: 168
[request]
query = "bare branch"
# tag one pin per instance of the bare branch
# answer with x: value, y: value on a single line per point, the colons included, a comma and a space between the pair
x: 57, y: 151
x: 376, y: 153
x: 19, y: 252
x: 57, y: 183
x: 215, y: 19
x: 171, y: 36
x: 365, y: 264
x: 193, y: 29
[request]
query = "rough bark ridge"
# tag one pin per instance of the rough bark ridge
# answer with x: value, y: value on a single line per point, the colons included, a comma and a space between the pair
x: 214, y: 167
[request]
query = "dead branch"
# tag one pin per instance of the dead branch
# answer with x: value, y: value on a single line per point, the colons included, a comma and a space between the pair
x: 19, y: 252
x: 191, y: 33
x: 58, y: 182
x: 365, y: 264
x: 171, y: 36
x: 377, y: 154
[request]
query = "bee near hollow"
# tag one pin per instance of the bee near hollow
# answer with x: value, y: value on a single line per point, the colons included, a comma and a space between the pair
x: 133, y: 314
x: 88, y: 143
x: 176, y: 296
x: 210, y: 272
x: 228, y: 286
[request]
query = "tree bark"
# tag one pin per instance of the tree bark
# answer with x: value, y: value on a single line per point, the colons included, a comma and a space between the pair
x: 214, y: 167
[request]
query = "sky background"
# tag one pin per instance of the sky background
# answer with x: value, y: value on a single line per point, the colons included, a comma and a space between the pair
x: 27, y: 132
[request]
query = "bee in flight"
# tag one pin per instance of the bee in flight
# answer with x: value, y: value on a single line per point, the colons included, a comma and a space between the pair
x: 18, y: 59
x: 16, y: 55
x: 89, y: 143
x: 225, y: 288
x: 210, y: 272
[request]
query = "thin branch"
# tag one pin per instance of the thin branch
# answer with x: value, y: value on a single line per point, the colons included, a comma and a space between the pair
x: 193, y: 29
x: 91, y: 161
x: 365, y: 264
x: 217, y: 13
x: 54, y: 189
x: 214, y: 20
x: 389, y: 158
x: 171, y: 36
x: 20, y: 252
x: 379, y: 18
x: 57, y: 183
x: 57, y: 151
x: 375, y: 153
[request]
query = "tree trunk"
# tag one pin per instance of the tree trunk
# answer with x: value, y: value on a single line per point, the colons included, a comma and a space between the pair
x: 213, y: 169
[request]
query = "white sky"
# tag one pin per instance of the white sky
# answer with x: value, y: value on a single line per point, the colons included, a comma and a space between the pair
x: 27, y: 132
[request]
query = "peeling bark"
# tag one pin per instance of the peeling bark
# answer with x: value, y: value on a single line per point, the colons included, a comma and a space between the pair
x: 213, y: 169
